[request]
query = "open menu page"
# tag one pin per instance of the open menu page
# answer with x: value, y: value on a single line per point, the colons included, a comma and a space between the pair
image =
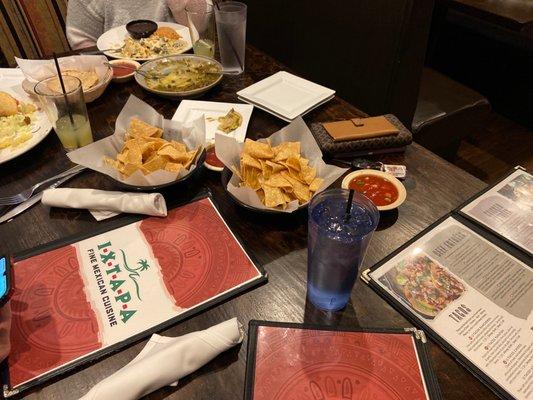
x: 507, y: 209
x: 473, y: 295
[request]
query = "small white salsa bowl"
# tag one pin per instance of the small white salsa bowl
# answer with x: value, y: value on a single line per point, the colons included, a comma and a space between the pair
x: 210, y: 149
x: 402, y: 194
x: 128, y: 76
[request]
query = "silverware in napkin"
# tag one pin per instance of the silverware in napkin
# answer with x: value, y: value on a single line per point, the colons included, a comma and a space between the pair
x: 27, y: 193
x: 8, y: 216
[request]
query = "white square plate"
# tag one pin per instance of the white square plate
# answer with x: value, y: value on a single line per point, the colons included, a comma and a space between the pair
x: 285, y: 95
x: 190, y: 110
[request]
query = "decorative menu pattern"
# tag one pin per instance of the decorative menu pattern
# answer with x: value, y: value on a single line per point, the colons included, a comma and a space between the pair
x: 198, y: 257
x: 83, y: 297
x: 307, y: 364
x: 52, y: 322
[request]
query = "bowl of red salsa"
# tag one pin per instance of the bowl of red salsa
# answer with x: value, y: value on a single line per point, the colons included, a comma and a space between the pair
x: 123, y: 70
x: 211, y: 160
x: 383, y: 189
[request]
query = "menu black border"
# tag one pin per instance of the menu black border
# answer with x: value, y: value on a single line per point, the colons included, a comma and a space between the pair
x: 459, y: 211
x: 417, y: 321
x: 99, y: 354
x: 428, y: 374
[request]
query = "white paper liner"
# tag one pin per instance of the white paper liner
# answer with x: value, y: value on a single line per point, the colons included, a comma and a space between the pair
x: 228, y: 150
x: 37, y: 70
x: 92, y: 155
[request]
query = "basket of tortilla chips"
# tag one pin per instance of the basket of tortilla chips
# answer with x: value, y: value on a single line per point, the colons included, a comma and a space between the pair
x: 278, y: 174
x: 93, y: 72
x: 146, y: 152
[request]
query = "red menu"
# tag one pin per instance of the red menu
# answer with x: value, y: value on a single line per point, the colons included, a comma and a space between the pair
x: 74, y: 301
x: 296, y: 362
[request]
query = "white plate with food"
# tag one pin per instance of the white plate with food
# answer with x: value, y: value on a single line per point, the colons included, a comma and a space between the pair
x: 22, y: 124
x: 227, y: 118
x: 178, y: 76
x: 162, y: 42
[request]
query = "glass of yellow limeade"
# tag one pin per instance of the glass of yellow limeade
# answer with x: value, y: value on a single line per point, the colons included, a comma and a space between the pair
x: 201, y: 21
x: 67, y: 113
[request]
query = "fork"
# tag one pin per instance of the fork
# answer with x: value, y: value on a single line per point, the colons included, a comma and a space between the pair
x: 112, y: 50
x: 26, y: 194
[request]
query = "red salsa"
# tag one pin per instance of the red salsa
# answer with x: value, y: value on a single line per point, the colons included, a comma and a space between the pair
x: 122, y: 69
x: 211, y: 158
x: 380, y: 190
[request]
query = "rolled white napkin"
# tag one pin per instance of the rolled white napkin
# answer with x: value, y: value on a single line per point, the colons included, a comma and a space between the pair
x: 164, y: 360
x: 104, y: 204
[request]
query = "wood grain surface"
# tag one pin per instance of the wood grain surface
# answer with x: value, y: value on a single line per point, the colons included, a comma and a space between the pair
x: 434, y: 187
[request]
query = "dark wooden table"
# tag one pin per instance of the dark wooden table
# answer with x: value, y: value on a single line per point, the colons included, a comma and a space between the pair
x: 433, y: 185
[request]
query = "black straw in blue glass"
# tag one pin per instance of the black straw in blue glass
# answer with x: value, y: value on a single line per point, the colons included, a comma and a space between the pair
x: 348, y: 212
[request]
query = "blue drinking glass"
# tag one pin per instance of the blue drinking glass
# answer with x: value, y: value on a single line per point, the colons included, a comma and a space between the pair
x: 336, y: 247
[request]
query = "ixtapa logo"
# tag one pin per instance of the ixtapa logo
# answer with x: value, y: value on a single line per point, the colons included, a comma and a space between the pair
x: 134, y: 272
x: 119, y: 272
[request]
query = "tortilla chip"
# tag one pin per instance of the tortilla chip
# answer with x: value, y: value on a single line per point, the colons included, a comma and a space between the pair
x: 315, y: 185
x: 178, y: 146
x: 156, y: 163
x: 192, y: 155
x: 292, y: 162
x: 138, y: 128
x: 275, y: 166
x: 173, y: 167
x: 171, y: 152
x: 128, y: 169
x: 250, y: 177
x: 300, y: 190
x: 247, y: 159
x: 285, y: 150
x: 307, y: 173
x: 257, y: 149
x: 277, y: 180
x: 273, y: 196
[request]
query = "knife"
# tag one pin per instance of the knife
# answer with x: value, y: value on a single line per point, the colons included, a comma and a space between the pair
x: 8, y: 216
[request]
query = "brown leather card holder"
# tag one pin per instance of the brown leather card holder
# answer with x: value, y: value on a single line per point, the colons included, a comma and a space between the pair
x: 360, y: 128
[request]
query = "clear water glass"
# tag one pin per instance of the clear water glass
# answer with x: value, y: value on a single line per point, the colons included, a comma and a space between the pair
x: 231, y: 29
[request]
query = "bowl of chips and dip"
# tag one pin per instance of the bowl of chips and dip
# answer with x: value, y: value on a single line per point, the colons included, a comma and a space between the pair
x: 184, y: 75
x: 276, y: 175
x: 146, y: 152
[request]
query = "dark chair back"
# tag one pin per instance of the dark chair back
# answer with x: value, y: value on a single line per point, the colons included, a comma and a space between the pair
x: 370, y: 51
